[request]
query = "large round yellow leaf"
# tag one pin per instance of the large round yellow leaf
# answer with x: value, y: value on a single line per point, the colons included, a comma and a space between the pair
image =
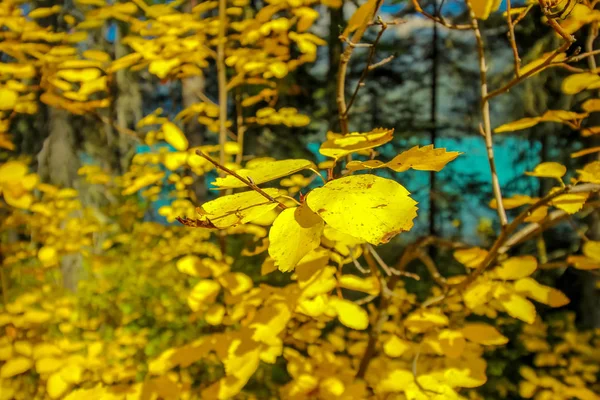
x: 48, y: 256
x: 295, y: 233
x: 15, y: 366
x: 174, y: 136
x: 365, y: 206
x: 12, y: 171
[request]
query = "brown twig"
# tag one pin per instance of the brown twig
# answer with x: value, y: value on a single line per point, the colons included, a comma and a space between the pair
x: 366, y: 70
x: 589, y: 44
x: 241, y: 128
x: 512, y: 39
x: 386, y: 268
x: 440, y: 20
x: 529, y: 73
x: 485, y: 113
x: 344, y: 60
x: 247, y: 182
x: 357, y: 264
x: 431, y: 267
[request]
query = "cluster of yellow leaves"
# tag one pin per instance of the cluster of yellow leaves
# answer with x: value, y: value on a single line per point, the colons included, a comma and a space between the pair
x: 564, y: 360
x: 507, y: 287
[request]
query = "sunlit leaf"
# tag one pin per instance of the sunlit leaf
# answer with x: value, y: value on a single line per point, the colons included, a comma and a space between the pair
x: 548, y: 170
x: 15, y: 366
x: 231, y: 210
x: 174, y: 136
x: 365, y: 206
x: 342, y: 146
x: 483, y: 8
x: 350, y: 314
x: 576, y: 83
x: 541, y: 293
x: 295, y: 232
x: 516, y: 268
x: 424, y: 158
x: 263, y: 172
x: 470, y: 258
x: 485, y: 334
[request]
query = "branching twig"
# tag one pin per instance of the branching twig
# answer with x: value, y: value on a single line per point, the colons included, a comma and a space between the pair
x: 512, y: 39
x: 440, y: 20
x: 344, y: 60
x: 247, y: 182
x: 366, y: 70
x: 386, y: 268
x: 431, y: 267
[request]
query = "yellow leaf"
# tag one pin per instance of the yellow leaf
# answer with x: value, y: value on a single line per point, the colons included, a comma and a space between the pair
x: 174, y: 136
x: 295, y: 232
x: 278, y: 69
x: 8, y: 99
x: 520, y: 124
x: 541, y: 60
x: 96, y: 55
x: 368, y: 285
x: 483, y: 8
x: 470, y: 258
x: 592, y: 249
x: 548, y: 170
x: 44, y: 12
x: 236, y: 283
x: 396, y: 380
x: 57, y: 386
x: 571, y: 202
x: 541, y: 293
x: 575, y: 83
x: 515, y: 305
x: 485, y: 334
x: 48, y: 365
x: 142, y: 181
x: 15, y: 366
x: 239, y: 208
x: 515, y: 201
x: 395, y: 347
x: 350, y: 314
x: 424, y: 320
x: 72, y: 373
x: 591, y: 105
x: 48, y: 256
x: 362, y: 15
x: 452, y: 343
x: 365, y: 206
x: 79, y: 75
x: 263, y: 172
x: 516, y: 267
x: 342, y: 146
x: 205, y: 291
x: 538, y: 214
x: 193, y: 266
x: 270, y: 322
x: 424, y: 158
x: 584, y: 263
x: 590, y: 172
x: 162, y: 68
x: 478, y: 294
x: 36, y: 316
x: 214, y: 315
x: 124, y: 62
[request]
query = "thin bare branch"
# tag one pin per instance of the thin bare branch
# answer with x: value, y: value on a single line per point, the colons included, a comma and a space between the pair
x: 247, y: 182
x: 222, y: 79
x: 485, y: 113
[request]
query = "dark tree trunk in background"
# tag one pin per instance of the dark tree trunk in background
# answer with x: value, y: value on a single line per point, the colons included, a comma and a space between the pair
x: 334, y: 45
x: 433, y: 129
